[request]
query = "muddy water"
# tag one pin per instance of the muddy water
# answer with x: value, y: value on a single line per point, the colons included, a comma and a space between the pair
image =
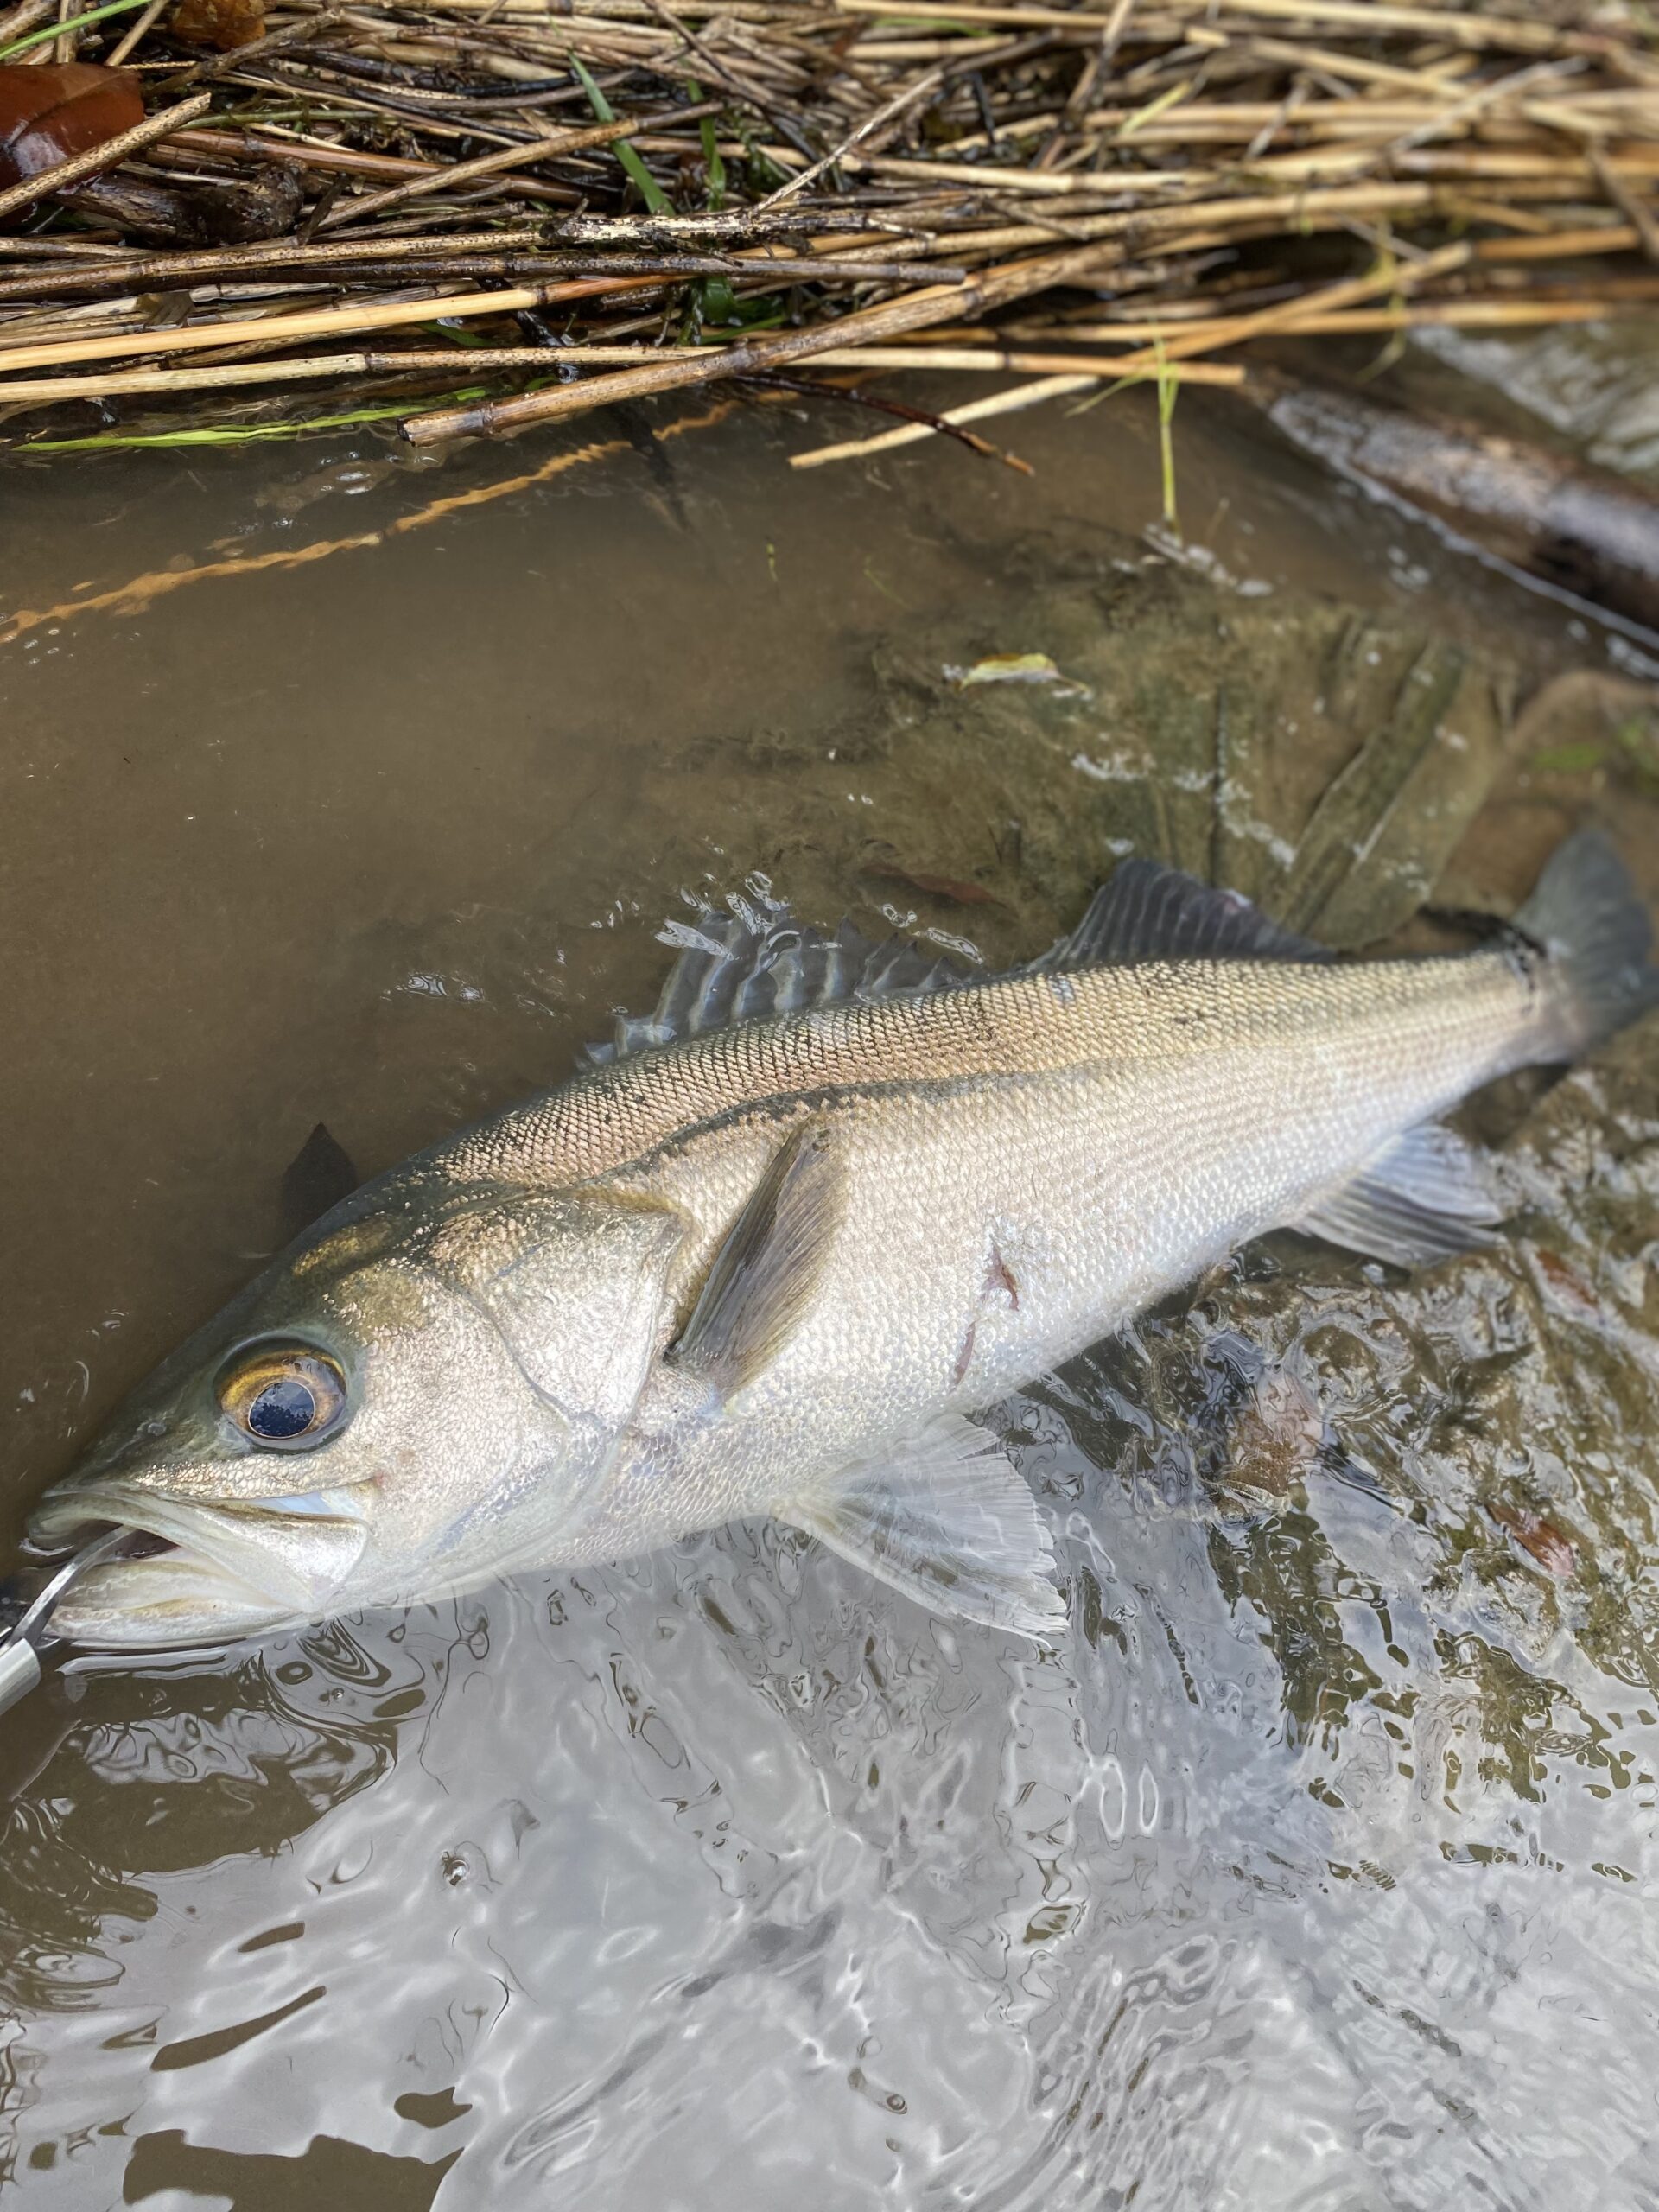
x: 1317, y: 1871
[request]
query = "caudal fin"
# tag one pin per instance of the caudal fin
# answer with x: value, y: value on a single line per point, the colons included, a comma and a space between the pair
x: 1587, y: 915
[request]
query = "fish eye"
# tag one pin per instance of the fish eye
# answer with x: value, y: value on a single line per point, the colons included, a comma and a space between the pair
x: 282, y: 1395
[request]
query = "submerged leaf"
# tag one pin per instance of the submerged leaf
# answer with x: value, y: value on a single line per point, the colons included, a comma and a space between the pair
x: 1016, y: 668
x: 1538, y: 1537
x: 1575, y: 760
x: 52, y: 110
x: 1386, y: 825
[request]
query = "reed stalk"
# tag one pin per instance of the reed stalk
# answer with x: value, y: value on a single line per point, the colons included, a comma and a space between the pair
x: 666, y: 193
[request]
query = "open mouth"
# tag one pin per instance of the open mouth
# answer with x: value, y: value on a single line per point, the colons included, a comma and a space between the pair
x: 184, y: 1572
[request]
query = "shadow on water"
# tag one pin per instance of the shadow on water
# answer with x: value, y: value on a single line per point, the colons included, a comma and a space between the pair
x: 1315, y: 1872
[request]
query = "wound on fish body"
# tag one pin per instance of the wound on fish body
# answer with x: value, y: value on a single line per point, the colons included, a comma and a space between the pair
x: 779, y: 1244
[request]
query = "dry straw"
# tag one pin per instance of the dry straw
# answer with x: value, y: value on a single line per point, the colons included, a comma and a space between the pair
x: 534, y: 207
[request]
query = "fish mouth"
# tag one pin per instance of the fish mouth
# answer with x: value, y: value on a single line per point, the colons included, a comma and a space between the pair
x: 198, y: 1572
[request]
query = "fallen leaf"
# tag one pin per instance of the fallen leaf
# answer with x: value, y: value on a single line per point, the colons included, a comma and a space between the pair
x: 1565, y: 1283
x: 51, y: 111
x: 1016, y: 668
x: 222, y: 24
x: 1276, y: 1436
x: 1538, y: 1537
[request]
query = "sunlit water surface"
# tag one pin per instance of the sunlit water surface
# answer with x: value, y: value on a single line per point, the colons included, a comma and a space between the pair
x: 1316, y: 1872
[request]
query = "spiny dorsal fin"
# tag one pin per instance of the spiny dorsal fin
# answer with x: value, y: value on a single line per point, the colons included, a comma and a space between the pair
x: 758, y: 963
x: 950, y: 1520
x: 765, y: 1273
x: 1425, y: 1196
x: 1147, y: 912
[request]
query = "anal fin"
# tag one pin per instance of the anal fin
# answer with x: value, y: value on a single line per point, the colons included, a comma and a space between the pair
x: 1425, y: 1196
x: 950, y: 1521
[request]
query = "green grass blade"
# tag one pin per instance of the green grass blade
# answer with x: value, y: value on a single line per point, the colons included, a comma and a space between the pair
x: 246, y: 434
x: 711, y: 159
x: 56, y: 30
x: 651, y: 192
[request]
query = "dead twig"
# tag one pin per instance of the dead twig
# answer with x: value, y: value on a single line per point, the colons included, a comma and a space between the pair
x: 940, y: 424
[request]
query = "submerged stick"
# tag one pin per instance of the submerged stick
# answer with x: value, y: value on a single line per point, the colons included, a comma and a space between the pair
x: 1583, y: 530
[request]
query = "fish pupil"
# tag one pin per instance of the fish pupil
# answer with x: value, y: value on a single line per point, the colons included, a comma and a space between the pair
x: 283, y: 1409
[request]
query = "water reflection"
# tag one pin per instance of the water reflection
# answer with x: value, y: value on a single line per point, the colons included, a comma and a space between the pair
x: 1314, y: 1872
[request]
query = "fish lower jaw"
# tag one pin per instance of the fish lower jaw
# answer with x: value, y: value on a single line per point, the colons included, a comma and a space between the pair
x: 195, y: 1575
x: 164, y: 1603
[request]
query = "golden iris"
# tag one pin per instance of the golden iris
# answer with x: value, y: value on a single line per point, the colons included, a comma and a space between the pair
x: 282, y: 1394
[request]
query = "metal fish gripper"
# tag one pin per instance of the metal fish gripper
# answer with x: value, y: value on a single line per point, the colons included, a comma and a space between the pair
x: 20, y: 1647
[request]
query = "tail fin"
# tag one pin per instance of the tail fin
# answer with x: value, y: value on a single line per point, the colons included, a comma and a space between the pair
x: 1588, y: 917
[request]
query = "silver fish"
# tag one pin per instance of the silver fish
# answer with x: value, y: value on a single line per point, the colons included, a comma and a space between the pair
x: 771, y: 1257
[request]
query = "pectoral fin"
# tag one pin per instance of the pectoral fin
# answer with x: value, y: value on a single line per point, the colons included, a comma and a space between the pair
x: 950, y: 1522
x: 1425, y: 1196
x: 765, y: 1273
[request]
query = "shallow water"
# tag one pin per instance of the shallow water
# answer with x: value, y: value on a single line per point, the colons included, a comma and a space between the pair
x: 1317, y: 1870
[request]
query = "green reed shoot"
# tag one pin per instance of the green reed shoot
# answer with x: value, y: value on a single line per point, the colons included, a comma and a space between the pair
x: 1169, y: 391
x: 711, y: 158
x: 55, y: 30
x: 242, y: 433
x: 657, y: 200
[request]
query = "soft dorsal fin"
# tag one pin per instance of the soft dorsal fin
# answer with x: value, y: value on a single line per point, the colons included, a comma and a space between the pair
x: 949, y: 1520
x: 1147, y: 912
x: 758, y: 963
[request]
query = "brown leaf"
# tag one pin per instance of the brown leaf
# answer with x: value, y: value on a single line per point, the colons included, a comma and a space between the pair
x: 222, y: 24
x: 262, y: 203
x: 1276, y: 1436
x: 1538, y: 1537
x: 1566, y: 1284
x: 51, y: 111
